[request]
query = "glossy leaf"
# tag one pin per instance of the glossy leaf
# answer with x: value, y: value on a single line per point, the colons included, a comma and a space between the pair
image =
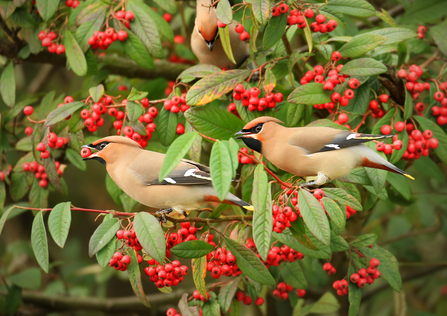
x: 363, y: 67
x: 76, y: 159
x: 63, y: 112
x: 198, y: 274
x: 102, y: 235
x: 150, y: 235
x: 364, y: 240
x: 221, y: 175
x: 96, y: 92
x: 167, y: 5
x: 308, y: 37
x: 185, y: 309
x: 86, y: 30
x: 5, y: 217
x: 224, y: 12
x: 394, y: 34
x: 39, y: 242
x: 38, y: 196
x: 423, y: 11
x: 133, y: 271
x: 294, y: 275
x: 227, y: 293
x: 314, y: 217
x: 75, y: 56
x: 166, y: 127
x: 20, y: 184
x: 340, y: 196
x: 59, y: 223
x: 439, y: 34
x: 214, y: 122
x: 331, y: 14
x: 360, y: 8
x: 47, y: 8
x: 325, y: 305
x: 334, y: 212
x: 269, y: 81
x: 408, y: 105
x: 338, y: 243
x: 325, y: 50
x: 287, y: 238
x: 8, y: 85
x: 224, y: 35
x: 274, y: 31
x: 354, y: 294
x: 361, y: 44
x: 389, y: 267
x: 261, y: 10
x: 200, y: 71
x: 136, y: 50
x: 249, y: 263
x: 176, y: 152
x: 311, y: 93
x: 214, y: 86
x: 163, y: 27
x: 105, y: 254
x: 192, y: 249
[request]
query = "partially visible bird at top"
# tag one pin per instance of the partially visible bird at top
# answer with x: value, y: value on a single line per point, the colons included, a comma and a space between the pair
x: 205, y: 41
x: 324, y: 152
x: 136, y: 172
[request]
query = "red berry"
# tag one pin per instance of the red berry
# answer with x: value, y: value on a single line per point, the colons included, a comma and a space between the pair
x: 327, y: 266
x: 319, y: 194
x: 247, y: 300
x: 336, y: 56
x: 354, y: 83
x: 374, y: 263
x: 28, y: 130
x: 122, y: 35
x: 300, y: 292
x: 259, y: 301
x: 354, y: 278
x: 239, y: 28
x: 309, y: 13
x: 60, y: 49
x: 385, y: 129
x: 361, y: 283
x: 85, y: 152
x: 244, y: 36
x: 402, y: 73
x: 343, y: 118
x: 129, y: 16
x: 28, y: 110
x: 320, y: 18
x: 384, y: 98
x: 399, y: 126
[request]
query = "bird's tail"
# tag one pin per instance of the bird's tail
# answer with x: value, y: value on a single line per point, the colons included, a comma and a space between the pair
x: 374, y: 160
x: 231, y: 199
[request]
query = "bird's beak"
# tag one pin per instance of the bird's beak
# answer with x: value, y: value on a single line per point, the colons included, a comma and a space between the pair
x: 93, y: 154
x: 210, y: 44
x: 244, y: 134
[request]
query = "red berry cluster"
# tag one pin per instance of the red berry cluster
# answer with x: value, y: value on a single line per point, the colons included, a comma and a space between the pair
x: 243, y: 35
x: 376, y: 106
x: 244, y: 159
x: 250, y: 98
x: 185, y: 233
x: 421, y: 31
x: 181, y: 60
x: 283, y: 289
x: 170, y: 274
x: 39, y: 171
x: 366, y: 276
x: 53, y: 142
x: 282, y: 217
x: 221, y: 262
x: 47, y: 41
x: 72, y: 3
x: 172, y: 312
x: 418, y: 143
x: 169, y: 88
x: 276, y: 255
x: 125, y: 17
x: 104, y: 39
x: 2, y: 176
x: 414, y: 86
x: 329, y: 268
x: 120, y: 261
x: 247, y: 300
x: 440, y: 112
x: 130, y: 238
x: 176, y: 104
x: 198, y: 296
x: 319, y: 25
x: 341, y: 286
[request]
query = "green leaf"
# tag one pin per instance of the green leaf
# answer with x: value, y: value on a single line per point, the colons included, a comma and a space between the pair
x: 86, y: 11
x: 308, y: 36
x: 224, y: 12
x: 185, y: 309
x: 59, y: 223
x: 175, y: 153
x: 261, y: 10
x: 96, y: 92
x: 400, y: 184
x: 39, y: 242
x: 351, y: 7
x: 249, y: 263
x: 198, y: 266
x: 8, y: 85
x: 361, y: 44
x: 340, y: 196
x: 105, y: 254
x: 211, y: 308
x: 192, y: 249
x: 311, y: 93
x: 200, y: 71
x: 294, y: 113
x: 150, y: 235
x: 330, y: 14
x: 145, y: 29
x: 102, y: 235
x: 408, y: 105
x: 386, y: 119
x: 167, y: 5
x: 338, y: 243
x: 86, y: 30
x: 293, y: 275
x: 334, y: 212
x: 136, y: 95
x: 163, y: 27
x: 227, y: 293
x: 7, y: 8
x: 314, y: 217
x: 325, y: 50
x: 354, y: 294
x: 47, y: 8
x: 63, y: 112
x: 274, y: 30
x: 75, y: 56
x: 269, y: 81
x: 38, y: 196
x: 262, y: 216
x: 439, y: 34
x: 20, y: 184
x: 363, y: 67
x: 438, y: 133
x: 2, y: 196
x: 214, y: 122
x: 397, y: 154
x: 221, y: 175
x: 224, y: 34
x: 214, y: 86
x: 389, y: 266
x: 424, y: 11
x: 360, y: 102
x: 28, y: 279
x: 364, y: 240
x: 166, y: 127
x: 134, y: 111
x: 394, y: 34
x: 287, y: 238
x: 75, y: 158
x: 5, y: 217
x: 133, y: 271
x: 136, y: 50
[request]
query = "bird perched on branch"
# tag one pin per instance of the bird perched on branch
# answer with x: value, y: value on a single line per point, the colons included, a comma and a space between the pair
x: 205, y: 41
x: 136, y: 171
x: 324, y: 152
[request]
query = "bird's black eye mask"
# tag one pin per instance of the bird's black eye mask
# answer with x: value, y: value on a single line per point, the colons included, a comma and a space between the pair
x: 248, y: 136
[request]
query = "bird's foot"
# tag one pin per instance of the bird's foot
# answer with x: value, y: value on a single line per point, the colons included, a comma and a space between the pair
x: 319, y: 181
x: 161, y: 214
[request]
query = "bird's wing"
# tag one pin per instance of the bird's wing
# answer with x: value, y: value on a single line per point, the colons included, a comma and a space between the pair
x: 147, y: 165
x: 320, y: 139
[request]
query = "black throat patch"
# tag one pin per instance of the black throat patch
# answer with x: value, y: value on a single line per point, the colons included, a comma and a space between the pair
x: 100, y: 160
x: 252, y: 143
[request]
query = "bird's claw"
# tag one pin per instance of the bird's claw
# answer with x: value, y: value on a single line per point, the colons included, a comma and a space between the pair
x: 161, y: 214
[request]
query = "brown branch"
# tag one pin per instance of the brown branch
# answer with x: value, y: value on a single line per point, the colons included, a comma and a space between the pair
x: 431, y: 59
x: 114, y: 64
x: 394, y: 84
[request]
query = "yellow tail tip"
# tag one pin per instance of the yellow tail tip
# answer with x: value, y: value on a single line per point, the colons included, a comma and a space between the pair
x: 249, y: 208
x: 408, y: 176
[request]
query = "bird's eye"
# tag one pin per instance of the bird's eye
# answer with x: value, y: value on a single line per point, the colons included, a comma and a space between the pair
x: 199, y: 32
x: 103, y: 145
x: 258, y: 128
